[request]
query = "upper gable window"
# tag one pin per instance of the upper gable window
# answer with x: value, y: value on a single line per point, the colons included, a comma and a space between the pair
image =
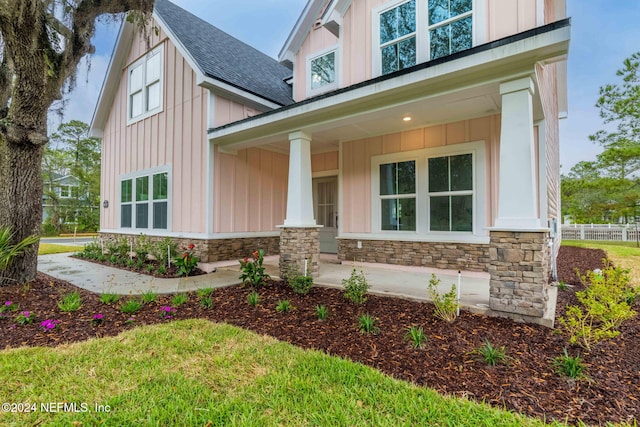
x: 415, y: 31
x: 322, y: 72
x: 145, y: 86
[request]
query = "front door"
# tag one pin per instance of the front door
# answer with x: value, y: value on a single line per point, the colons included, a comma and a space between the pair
x: 325, y: 202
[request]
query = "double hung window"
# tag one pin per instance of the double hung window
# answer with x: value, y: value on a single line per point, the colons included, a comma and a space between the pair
x: 145, y: 86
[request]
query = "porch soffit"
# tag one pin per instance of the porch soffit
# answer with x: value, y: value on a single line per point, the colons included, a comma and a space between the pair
x: 462, y: 87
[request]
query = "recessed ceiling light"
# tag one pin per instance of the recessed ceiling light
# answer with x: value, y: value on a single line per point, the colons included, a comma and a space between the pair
x: 407, y: 118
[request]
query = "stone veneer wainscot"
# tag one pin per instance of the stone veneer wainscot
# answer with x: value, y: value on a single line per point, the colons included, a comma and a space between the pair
x: 298, y: 244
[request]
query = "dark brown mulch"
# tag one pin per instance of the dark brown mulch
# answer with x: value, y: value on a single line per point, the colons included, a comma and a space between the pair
x: 528, y: 384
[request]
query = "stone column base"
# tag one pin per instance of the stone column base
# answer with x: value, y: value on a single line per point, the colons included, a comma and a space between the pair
x: 298, y: 244
x: 519, y: 267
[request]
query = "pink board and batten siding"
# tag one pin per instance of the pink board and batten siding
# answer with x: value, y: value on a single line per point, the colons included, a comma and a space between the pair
x: 356, y: 163
x: 176, y: 136
x: 504, y: 18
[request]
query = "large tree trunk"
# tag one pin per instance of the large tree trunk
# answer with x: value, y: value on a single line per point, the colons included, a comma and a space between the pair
x: 21, y: 204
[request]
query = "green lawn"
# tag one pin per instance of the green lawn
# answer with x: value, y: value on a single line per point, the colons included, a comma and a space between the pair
x: 623, y: 254
x: 52, y: 248
x: 195, y: 372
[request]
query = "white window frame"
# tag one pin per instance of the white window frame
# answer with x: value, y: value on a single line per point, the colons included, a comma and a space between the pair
x: 149, y: 173
x: 423, y: 45
x: 423, y: 233
x: 413, y: 196
x: 451, y: 193
x: 143, y: 91
x: 68, y: 193
x: 336, y: 82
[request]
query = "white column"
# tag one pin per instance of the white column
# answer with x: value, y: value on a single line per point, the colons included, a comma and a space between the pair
x: 300, y: 191
x: 517, y: 202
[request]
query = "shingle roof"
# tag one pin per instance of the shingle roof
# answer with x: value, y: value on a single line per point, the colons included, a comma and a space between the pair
x: 225, y: 58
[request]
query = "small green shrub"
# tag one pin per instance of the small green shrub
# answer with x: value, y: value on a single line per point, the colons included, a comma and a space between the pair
x: 70, y: 302
x: 492, y: 355
x: 356, y: 287
x: 131, y: 306
x: 284, y: 306
x: 446, y: 305
x: 92, y: 250
x: 204, y: 293
x: 118, y: 248
x: 142, y: 247
x: 605, y: 305
x: 252, y: 271
x: 367, y: 324
x: 24, y: 318
x: 150, y: 268
x: 163, y: 251
x: 161, y: 270
x: 562, y: 286
x: 206, y: 302
x: 109, y: 298
x: 301, y: 284
x: 321, y: 312
x: 131, y: 263
x: 253, y: 298
x: 179, y: 299
x: 149, y: 296
x: 571, y: 367
x: 416, y: 336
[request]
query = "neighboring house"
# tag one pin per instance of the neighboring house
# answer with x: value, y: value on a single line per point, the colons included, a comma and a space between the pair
x: 59, y: 191
x: 411, y: 132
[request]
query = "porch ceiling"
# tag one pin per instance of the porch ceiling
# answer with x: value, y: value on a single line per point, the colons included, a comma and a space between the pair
x: 462, y: 87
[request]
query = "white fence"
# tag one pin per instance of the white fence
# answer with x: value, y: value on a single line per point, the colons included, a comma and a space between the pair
x: 621, y: 233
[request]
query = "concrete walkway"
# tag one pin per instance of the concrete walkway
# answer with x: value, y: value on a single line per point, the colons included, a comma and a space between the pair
x: 405, y: 282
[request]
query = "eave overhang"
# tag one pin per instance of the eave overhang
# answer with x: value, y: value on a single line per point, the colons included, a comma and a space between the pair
x: 488, y: 64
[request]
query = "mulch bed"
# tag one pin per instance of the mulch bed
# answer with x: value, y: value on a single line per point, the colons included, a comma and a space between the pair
x: 527, y: 384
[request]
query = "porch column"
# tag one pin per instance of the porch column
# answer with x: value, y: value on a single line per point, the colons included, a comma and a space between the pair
x: 517, y: 197
x: 299, y: 236
x: 518, y: 250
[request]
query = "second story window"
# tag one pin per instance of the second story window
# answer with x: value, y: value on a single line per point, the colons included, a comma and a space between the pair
x: 410, y: 32
x: 145, y: 86
x: 450, y: 27
x: 322, y: 71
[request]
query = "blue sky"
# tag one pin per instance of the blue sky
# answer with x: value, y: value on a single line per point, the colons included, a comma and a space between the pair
x: 604, y: 33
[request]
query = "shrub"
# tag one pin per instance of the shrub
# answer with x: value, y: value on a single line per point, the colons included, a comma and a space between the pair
x: 562, y: 286
x: 9, y: 251
x: 572, y: 367
x: 70, y: 302
x: 92, y: 250
x: 284, y: 306
x: 446, y: 305
x: 492, y: 355
x: 206, y: 302
x: 131, y: 306
x: 356, y: 287
x: 9, y: 306
x: 367, y: 324
x: 252, y: 271
x: 204, y: 293
x: 321, y: 312
x: 118, y: 248
x: 187, y: 262
x: 416, y: 336
x: 179, y: 299
x: 149, y: 296
x: 161, y: 270
x: 253, y: 298
x: 301, y: 284
x: 109, y: 298
x: 24, y: 318
x: 142, y: 247
x: 163, y: 251
x: 605, y: 305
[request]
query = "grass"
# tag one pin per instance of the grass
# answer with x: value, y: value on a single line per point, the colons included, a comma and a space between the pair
x: 215, y: 374
x: 52, y: 248
x: 623, y: 254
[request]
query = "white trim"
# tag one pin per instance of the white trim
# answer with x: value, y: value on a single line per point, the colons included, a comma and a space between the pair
x: 325, y: 174
x: 337, y: 67
x: 542, y: 168
x: 480, y: 22
x: 477, y: 148
x: 202, y: 236
x: 540, y: 13
x: 431, y: 237
x: 139, y: 174
x: 300, y: 30
x: 142, y: 62
x: 209, y: 187
x: 340, y: 188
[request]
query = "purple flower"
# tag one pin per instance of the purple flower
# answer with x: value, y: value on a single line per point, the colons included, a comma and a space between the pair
x: 97, y: 316
x: 49, y: 324
x: 8, y: 303
x: 26, y: 313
